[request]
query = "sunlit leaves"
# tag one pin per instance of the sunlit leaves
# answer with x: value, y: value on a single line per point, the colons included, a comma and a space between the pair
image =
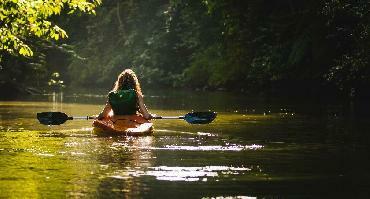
x: 25, y: 51
x: 24, y: 19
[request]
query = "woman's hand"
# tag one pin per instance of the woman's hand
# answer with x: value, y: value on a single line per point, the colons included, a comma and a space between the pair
x: 106, y: 112
x: 100, y: 116
x: 152, y: 116
x: 149, y: 116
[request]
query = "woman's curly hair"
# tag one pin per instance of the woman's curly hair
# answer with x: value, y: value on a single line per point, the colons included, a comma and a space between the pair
x: 127, y: 80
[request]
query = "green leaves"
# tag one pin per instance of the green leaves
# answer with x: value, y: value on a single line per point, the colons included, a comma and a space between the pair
x: 21, y: 20
x: 25, y: 51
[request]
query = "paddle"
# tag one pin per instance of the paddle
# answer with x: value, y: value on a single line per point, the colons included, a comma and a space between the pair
x: 57, y: 118
x: 194, y: 117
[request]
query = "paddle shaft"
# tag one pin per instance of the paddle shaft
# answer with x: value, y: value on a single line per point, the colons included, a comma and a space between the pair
x: 168, y: 117
x: 57, y: 118
x: 156, y: 117
x: 82, y: 118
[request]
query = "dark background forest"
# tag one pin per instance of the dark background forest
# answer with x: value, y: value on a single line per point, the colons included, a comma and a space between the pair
x: 312, y: 49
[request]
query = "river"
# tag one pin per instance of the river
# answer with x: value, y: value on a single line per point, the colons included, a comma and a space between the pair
x: 254, y: 149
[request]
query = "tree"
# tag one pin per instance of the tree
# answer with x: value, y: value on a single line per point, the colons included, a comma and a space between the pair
x: 22, y: 20
x: 349, y: 25
x: 28, y: 36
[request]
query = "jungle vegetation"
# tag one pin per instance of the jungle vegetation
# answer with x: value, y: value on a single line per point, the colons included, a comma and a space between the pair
x: 288, y: 47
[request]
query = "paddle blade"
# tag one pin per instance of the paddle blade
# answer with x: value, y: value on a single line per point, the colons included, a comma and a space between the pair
x: 200, y: 117
x: 52, y: 118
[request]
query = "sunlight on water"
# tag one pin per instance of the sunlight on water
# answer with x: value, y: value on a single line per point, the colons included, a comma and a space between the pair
x: 172, y: 131
x: 193, y: 148
x: 237, y: 154
x: 182, y: 173
x: 45, y: 154
x: 207, y: 134
x: 230, y: 197
x: 210, y: 148
x: 77, y: 132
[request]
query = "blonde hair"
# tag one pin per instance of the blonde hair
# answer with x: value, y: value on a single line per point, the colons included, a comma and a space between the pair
x: 127, y: 80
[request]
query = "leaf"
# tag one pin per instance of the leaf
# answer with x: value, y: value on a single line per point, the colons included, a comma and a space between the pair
x: 30, y: 18
x: 25, y: 51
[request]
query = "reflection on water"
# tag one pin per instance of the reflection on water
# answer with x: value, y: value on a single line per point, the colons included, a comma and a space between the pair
x: 212, y: 148
x: 57, y: 100
x: 226, y: 146
x: 242, y: 154
x: 207, y: 148
x: 181, y: 173
x: 230, y: 197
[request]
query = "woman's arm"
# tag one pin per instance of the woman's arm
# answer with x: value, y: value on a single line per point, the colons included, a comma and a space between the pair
x: 142, y: 108
x: 106, y: 111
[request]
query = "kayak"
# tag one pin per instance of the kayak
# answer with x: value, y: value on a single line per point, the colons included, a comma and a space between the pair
x: 129, y: 125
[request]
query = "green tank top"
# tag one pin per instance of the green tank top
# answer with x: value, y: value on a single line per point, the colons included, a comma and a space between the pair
x: 123, y: 102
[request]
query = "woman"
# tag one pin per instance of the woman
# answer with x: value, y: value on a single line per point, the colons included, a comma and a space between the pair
x: 126, y: 97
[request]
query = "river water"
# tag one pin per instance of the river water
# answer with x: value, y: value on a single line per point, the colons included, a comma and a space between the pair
x: 254, y: 149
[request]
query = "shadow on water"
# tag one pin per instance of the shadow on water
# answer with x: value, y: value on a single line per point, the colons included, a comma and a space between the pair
x: 253, y: 148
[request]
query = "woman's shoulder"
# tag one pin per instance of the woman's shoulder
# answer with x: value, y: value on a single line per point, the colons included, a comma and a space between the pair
x: 124, y: 92
x: 138, y: 94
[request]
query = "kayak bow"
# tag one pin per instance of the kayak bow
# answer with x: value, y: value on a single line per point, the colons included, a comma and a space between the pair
x: 131, y: 125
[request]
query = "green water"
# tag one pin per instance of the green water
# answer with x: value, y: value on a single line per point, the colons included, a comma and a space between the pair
x: 251, y: 150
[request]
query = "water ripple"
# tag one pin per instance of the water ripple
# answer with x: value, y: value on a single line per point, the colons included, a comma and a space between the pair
x: 193, y: 148
x: 167, y: 173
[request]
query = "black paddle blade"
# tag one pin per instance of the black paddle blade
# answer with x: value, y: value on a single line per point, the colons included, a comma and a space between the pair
x: 52, y: 118
x: 200, y: 117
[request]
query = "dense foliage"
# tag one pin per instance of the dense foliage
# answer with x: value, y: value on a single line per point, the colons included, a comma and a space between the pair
x: 251, y: 45
x: 25, y: 26
x: 23, y: 19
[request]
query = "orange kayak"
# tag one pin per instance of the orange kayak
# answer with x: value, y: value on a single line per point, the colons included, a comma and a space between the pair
x: 129, y: 125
